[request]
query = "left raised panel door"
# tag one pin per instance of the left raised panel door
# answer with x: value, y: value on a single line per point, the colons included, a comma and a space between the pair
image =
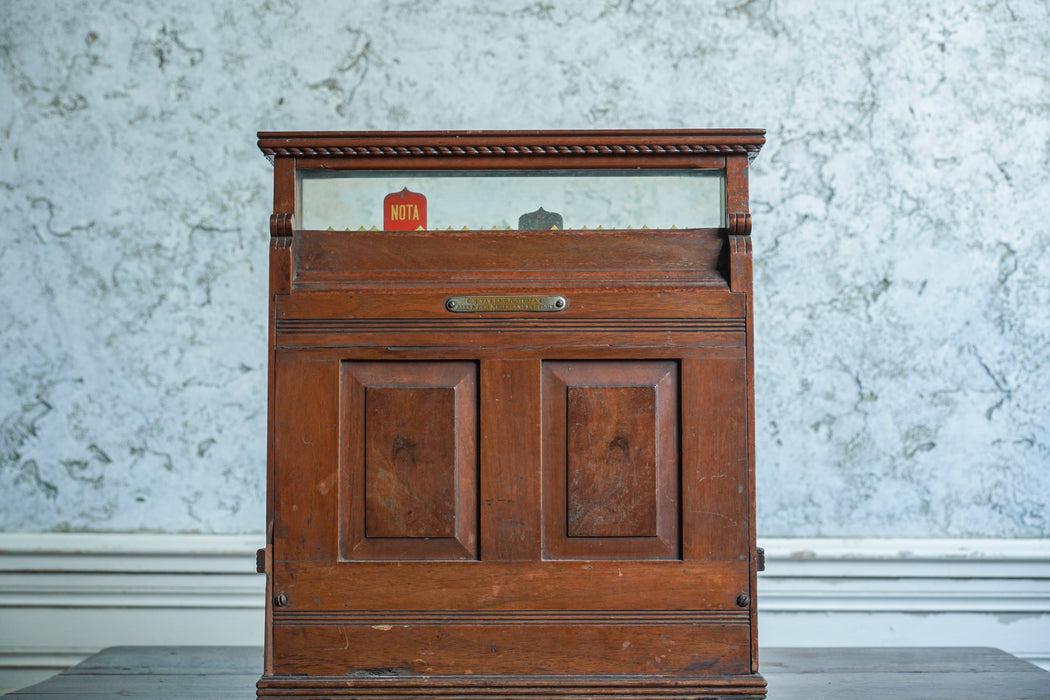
x: 408, y: 460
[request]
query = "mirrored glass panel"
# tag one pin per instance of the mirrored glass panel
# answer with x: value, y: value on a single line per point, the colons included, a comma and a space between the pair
x: 514, y: 200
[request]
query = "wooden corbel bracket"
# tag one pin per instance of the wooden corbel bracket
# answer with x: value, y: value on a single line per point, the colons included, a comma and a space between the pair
x: 281, y: 227
x: 281, y: 252
x: 739, y: 223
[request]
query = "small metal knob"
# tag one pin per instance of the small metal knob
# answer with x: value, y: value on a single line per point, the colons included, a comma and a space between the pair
x: 280, y: 600
x: 743, y: 600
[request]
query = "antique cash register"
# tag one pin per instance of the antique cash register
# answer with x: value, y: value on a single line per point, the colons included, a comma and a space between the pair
x: 511, y: 416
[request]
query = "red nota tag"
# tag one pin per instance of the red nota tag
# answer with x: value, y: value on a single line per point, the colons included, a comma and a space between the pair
x: 404, y: 211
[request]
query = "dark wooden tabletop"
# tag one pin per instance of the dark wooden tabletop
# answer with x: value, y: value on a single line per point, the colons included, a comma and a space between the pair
x: 927, y: 673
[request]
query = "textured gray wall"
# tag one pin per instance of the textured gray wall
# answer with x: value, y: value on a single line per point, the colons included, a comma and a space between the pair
x: 901, y: 232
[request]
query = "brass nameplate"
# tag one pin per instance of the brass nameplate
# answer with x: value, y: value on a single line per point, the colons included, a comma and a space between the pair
x: 476, y: 304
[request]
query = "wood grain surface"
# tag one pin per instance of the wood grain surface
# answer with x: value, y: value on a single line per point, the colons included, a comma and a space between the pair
x: 230, y: 673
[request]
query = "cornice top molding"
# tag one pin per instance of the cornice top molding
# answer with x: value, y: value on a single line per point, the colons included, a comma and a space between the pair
x: 510, y: 144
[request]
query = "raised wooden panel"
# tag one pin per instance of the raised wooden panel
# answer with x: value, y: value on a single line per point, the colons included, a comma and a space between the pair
x: 408, y: 460
x: 610, y: 459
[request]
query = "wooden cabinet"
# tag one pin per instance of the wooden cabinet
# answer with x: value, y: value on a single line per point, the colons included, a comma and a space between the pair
x: 511, y: 440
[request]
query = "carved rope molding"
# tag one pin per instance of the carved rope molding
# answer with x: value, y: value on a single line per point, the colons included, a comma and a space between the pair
x: 514, y: 144
x: 551, y: 150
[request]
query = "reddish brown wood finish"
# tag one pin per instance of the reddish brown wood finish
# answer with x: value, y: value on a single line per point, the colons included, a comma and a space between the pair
x: 349, y: 260
x: 504, y: 504
x: 511, y: 446
x: 408, y: 454
x: 523, y: 586
x: 610, y: 468
x: 659, y: 645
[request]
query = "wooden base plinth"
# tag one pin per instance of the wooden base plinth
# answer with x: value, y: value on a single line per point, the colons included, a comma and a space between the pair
x: 710, y: 687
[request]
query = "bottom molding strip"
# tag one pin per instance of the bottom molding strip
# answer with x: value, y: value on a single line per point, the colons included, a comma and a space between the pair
x: 711, y: 687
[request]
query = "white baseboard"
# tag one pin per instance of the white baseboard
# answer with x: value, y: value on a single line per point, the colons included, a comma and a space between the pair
x: 907, y: 592
x: 65, y: 596
x: 916, y: 576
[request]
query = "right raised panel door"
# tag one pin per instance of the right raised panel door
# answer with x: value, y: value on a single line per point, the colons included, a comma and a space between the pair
x: 646, y: 459
x: 611, y: 483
